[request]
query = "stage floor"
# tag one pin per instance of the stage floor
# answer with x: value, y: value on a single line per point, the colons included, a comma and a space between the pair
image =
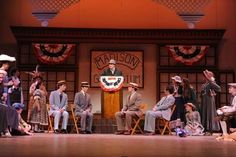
x: 109, y: 145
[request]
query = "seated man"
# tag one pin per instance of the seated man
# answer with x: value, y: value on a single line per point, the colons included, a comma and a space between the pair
x: 131, y: 108
x: 58, y: 103
x: 225, y: 112
x: 83, y: 108
x: 161, y: 109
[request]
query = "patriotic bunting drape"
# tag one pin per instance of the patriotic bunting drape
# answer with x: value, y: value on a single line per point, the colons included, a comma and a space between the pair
x: 53, y: 53
x: 187, y: 54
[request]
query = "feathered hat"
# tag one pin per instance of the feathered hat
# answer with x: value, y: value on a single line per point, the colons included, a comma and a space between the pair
x: 36, y: 74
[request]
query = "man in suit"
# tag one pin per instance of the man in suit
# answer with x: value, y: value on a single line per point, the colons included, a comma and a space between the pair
x: 225, y: 113
x: 83, y: 109
x: 112, y: 70
x: 58, y: 103
x: 161, y: 109
x: 130, y: 109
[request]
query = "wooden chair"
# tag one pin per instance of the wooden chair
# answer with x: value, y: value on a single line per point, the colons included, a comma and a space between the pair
x: 137, y: 120
x: 50, y: 120
x: 165, y: 123
x: 73, y: 118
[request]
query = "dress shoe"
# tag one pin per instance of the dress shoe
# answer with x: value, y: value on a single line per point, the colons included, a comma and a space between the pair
x: 119, y: 132
x: 128, y: 132
x: 88, y: 132
x: 82, y: 132
x: 149, y: 133
x: 56, y: 131
x: 64, y: 131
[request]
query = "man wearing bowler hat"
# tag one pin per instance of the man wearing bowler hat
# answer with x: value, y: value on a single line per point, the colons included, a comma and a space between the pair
x: 112, y: 70
x: 83, y: 109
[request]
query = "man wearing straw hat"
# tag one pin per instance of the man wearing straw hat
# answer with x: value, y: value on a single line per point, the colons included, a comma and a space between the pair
x: 83, y: 109
x: 131, y: 108
x: 225, y: 112
x: 58, y: 103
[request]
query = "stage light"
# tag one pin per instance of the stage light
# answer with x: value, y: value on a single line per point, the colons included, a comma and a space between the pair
x: 45, y: 10
x: 190, y: 11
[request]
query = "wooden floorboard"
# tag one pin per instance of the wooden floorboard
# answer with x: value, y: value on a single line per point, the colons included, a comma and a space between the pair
x: 109, y: 145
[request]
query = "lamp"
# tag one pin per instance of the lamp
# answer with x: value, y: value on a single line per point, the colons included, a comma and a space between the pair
x: 190, y: 11
x: 45, y: 10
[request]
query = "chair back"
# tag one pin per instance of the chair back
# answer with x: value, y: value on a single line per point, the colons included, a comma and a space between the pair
x: 172, y: 109
x: 143, y: 108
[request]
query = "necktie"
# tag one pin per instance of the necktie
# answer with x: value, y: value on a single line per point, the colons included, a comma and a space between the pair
x: 163, y: 101
x: 60, y: 98
x: 85, y: 96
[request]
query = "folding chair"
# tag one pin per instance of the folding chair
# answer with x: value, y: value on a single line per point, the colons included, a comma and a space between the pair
x: 50, y: 120
x: 165, y: 123
x: 73, y: 118
x: 137, y: 120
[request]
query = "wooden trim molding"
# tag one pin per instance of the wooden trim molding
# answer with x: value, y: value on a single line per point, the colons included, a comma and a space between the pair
x: 96, y: 35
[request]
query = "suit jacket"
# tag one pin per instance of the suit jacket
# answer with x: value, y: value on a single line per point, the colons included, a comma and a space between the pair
x: 82, y: 102
x: 133, y: 104
x: 55, y: 103
x: 164, y: 106
x: 108, y: 72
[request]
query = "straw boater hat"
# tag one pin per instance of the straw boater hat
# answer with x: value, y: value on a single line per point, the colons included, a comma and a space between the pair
x: 61, y: 82
x: 177, y: 79
x: 209, y: 75
x: 191, y: 105
x: 232, y: 84
x: 134, y: 85
x: 7, y: 58
x: 85, y: 84
x: 112, y: 61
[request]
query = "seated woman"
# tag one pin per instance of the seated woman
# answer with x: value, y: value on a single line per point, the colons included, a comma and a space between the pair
x: 23, y: 128
x: 193, y: 125
x: 8, y: 115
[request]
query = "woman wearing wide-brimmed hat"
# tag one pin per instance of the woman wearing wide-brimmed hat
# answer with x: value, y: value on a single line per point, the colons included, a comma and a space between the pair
x: 179, y: 100
x: 37, y: 110
x: 193, y: 124
x: 208, y: 106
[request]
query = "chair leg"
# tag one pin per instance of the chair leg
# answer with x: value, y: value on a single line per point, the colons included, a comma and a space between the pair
x: 134, y: 128
x: 50, y: 128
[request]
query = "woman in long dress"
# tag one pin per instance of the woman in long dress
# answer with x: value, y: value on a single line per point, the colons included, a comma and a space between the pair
x: 37, y: 111
x: 208, y: 106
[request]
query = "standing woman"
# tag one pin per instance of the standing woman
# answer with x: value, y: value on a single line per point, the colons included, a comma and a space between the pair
x: 189, y: 93
x: 179, y: 113
x: 208, y: 106
x: 37, y: 112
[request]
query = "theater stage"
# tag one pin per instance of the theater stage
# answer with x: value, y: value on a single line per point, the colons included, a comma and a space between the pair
x: 109, y: 145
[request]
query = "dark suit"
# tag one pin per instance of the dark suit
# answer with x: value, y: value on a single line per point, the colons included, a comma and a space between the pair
x: 82, y: 103
x: 108, y: 72
x: 131, y: 108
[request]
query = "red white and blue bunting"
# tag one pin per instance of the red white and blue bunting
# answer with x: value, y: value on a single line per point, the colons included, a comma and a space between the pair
x: 187, y: 54
x: 111, y: 83
x: 52, y: 53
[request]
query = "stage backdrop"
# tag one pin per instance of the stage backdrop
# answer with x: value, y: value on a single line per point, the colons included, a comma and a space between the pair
x: 130, y: 62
